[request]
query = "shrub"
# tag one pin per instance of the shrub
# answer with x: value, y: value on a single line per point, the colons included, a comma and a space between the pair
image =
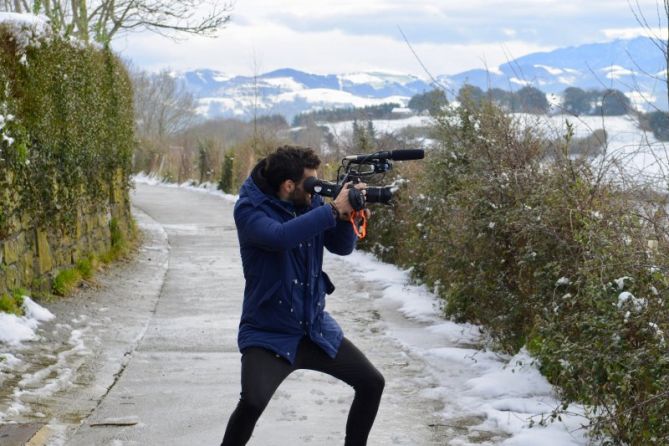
x: 542, y: 251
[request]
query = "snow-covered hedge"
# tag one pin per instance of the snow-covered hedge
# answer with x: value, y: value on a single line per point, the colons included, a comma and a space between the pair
x: 546, y: 251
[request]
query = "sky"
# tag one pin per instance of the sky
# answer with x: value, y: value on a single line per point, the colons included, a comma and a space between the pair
x: 344, y: 36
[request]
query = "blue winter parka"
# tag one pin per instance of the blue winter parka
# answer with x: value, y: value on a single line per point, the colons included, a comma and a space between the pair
x: 282, y: 257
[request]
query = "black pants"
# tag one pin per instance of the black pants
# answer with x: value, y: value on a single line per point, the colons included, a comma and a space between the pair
x: 263, y: 372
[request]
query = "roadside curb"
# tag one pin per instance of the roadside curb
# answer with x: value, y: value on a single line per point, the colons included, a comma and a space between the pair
x: 29, y: 434
x: 41, y: 437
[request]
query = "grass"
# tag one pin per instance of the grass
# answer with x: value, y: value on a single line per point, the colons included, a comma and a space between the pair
x: 86, y: 267
x: 66, y: 281
x: 13, y: 303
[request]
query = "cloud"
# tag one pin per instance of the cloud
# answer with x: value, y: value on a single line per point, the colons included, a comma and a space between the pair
x: 474, y: 21
x: 270, y: 47
x: 326, y: 36
x: 630, y: 33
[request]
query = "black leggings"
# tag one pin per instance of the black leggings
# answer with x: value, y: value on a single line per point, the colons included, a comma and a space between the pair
x: 263, y: 372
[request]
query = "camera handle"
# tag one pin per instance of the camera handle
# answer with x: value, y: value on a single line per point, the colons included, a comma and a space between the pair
x: 359, y: 223
x: 358, y: 216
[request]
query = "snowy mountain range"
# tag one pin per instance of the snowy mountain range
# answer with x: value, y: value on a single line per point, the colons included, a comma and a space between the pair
x: 634, y: 66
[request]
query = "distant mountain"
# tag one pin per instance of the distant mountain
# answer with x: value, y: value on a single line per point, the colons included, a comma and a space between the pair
x: 289, y: 92
x: 635, y: 66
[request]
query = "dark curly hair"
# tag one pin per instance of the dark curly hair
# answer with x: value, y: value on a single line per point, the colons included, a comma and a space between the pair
x: 288, y: 163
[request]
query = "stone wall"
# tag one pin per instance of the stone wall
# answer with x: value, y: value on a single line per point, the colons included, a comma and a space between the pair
x: 31, y: 255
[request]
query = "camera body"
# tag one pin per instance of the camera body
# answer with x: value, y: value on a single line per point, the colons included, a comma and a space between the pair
x: 358, y: 167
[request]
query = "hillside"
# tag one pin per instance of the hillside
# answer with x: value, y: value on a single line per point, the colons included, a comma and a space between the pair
x: 634, y: 66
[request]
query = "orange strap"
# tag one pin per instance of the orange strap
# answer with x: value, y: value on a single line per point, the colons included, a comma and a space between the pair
x: 359, y: 222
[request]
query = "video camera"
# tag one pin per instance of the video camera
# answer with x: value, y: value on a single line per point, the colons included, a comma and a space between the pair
x: 355, y: 169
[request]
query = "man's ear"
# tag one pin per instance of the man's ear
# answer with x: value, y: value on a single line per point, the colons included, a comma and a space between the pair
x: 288, y: 186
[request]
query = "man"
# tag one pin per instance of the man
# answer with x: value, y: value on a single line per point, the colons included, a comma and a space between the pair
x: 282, y: 231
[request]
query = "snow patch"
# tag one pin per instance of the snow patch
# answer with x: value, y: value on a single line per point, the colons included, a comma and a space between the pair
x: 637, y: 304
x: 208, y: 187
x: 616, y: 72
x: 24, y: 20
x: 508, y: 394
x: 285, y: 83
x: 515, y: 80
x: 16, y: 329
x: 562, y: 281
x: 551, y: 70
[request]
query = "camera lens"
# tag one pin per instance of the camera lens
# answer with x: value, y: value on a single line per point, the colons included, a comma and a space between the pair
x: 379, y: 195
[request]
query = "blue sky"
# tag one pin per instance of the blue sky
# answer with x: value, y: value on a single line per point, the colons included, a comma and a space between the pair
x: 337, y: 36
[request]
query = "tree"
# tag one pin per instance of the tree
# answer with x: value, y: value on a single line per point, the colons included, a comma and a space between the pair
x: 227, y: 173
x: 205, y: 151
x: 363, y: 138
x: 532, y: 100
x: 577, y: 101
x: 101, y: 20
x: 432, y: 101
x: 163, y: 107
x: 470, y: 94
x: 658, y: 121
x: 503, y: 98
x: 614, y: 103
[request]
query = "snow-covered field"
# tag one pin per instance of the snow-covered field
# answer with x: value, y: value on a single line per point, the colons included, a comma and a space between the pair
x: 629, y: 149
x: 380, y: 125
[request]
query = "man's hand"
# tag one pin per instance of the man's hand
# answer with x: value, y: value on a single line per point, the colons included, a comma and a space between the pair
x: 342, y: 203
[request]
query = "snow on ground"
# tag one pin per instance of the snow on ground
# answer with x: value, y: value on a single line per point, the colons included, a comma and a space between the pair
x: 629, y: 150
x: 329, y: 98
x: 380, y: 125
x: 40, y: 375
x: 377, y: 79
x: 501, y: 392
x: 208, y: 187
x: 16, y: 329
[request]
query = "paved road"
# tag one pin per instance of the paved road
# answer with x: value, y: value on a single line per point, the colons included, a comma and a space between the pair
x: 182, y: 381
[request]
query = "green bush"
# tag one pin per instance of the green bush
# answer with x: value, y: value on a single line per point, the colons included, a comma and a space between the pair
x: 540, y: 249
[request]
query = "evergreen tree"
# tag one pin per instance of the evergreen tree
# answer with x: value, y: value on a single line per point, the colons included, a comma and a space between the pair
x: 204, y: 149
x: 371, y: 133
x: 227, y: 172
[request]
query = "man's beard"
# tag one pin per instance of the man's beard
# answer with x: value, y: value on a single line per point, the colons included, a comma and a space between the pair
x: 300, y: 198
